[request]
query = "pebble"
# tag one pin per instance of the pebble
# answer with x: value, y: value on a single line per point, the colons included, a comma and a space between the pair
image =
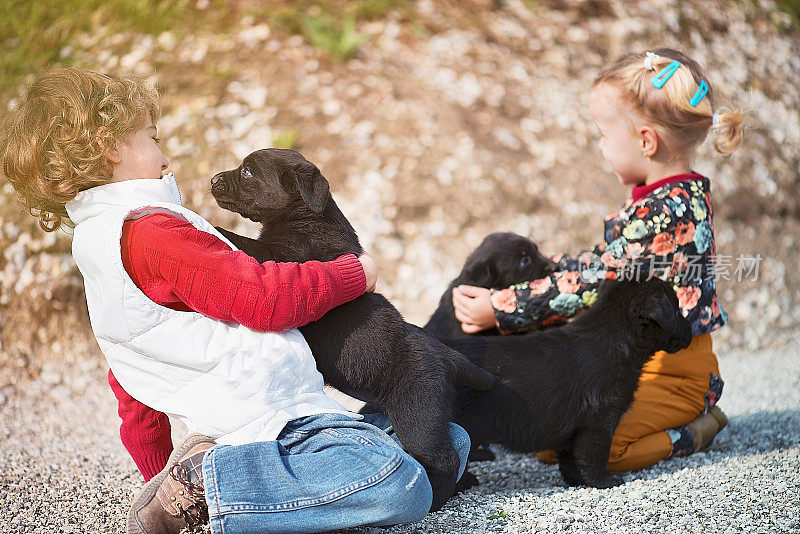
x: 254, y: 35
x: 50, y: 374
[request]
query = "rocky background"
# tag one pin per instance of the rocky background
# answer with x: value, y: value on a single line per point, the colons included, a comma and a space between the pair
x: 436, y: 122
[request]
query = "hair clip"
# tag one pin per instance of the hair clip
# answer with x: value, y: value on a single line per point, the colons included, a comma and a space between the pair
x: 648, y: 60
x: 715, y: 119
x: 666, y: 74
x: 698, y: 96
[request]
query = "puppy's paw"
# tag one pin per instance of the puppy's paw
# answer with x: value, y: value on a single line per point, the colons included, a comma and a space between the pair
x: 572, y: 480
x: 608, y: 481
x: 481, y: 453
x: 570, y: 473
x: 443, y: 486
x: 468, y: 480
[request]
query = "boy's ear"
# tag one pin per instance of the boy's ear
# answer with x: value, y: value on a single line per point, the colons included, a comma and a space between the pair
x: 648, y: 141
x: 103, y: 137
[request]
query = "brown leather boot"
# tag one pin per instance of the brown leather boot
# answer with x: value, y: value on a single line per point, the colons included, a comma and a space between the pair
x: 175, y: 498
x: 705, y: 427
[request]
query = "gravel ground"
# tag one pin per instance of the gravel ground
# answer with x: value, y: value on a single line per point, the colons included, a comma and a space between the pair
x: 63, y: 469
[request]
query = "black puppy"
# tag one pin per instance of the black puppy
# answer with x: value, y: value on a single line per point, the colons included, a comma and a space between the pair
x: 500, y: 260
x: 363, y: 347
x: 566, y: 388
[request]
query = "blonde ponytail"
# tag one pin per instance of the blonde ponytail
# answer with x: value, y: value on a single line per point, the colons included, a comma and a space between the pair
x: 731, y: 132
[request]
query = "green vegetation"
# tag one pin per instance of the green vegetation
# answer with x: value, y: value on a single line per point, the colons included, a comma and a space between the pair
x: 284, y: 139
x: 788, y: 7
x: 289, y: 15
x: 339, y: 38
x: 331, y: 25
x: 34, y: 33
x: 792, y: 7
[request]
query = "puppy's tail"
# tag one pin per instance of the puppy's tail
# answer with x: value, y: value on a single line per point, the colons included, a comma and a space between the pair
x: 464, y: 372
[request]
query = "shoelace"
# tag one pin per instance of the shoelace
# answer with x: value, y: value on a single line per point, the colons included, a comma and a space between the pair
x: 196, y: 514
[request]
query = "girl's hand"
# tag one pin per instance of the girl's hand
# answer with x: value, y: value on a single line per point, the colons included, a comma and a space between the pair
x: 370, y: 271
x: 474, y: 308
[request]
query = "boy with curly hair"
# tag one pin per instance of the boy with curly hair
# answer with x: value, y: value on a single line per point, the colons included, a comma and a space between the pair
x: 194, y: 328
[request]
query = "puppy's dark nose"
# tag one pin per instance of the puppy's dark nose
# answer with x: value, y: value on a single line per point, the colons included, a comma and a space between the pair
x: 218, y: 184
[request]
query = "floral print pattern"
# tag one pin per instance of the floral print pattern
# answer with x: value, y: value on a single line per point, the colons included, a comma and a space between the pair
x: 682, y: 439
x: 714, y: 392
x: 504, y: 300
x: 668, y: 233
x: 702, y: 236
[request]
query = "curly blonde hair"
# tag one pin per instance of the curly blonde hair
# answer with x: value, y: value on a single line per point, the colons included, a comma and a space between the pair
x: 52, y: 145
x: 686, y: 125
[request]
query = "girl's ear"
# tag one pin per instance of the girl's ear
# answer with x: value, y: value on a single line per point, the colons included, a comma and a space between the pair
x: 648, y: 141
x: 103, y: 138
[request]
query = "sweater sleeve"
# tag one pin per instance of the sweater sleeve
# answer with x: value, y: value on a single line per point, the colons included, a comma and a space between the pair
x: 145, y: 433
x: 177, y: 265
x: 564, y: 260
x: 666, y: 235
x: 181, y: 267
x: 552, y: 299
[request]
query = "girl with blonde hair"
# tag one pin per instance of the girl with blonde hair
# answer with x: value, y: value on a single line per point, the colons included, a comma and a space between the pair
x: 652, y: 110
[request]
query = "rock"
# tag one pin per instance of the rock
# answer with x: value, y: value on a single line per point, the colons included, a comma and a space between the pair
x: 254, y: 36
x: 507, y: 139
x: 50, y: 375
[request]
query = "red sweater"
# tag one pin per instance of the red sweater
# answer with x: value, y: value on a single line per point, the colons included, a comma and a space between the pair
x: 163, y: 255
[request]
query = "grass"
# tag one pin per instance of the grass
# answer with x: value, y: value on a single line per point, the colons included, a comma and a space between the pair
x: 33, y: 33
x: 789, y: 7
x: 337, y: 37
x: 330, y: 25
x: 284, y: 139
x: 792, y: 8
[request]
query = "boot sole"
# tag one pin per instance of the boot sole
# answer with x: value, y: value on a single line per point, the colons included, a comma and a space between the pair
x: 148, y: 492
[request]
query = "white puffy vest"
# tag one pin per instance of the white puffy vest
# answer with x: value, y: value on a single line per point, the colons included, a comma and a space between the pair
x: 221, y: 379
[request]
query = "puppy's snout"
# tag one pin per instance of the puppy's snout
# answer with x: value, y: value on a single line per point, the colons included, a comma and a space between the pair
x: 218, y: 183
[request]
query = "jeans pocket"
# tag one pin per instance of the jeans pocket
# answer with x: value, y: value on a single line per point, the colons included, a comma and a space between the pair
x: 355, y: 436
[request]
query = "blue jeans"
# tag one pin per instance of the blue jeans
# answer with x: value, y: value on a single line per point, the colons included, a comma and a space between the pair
x: 324, y: 472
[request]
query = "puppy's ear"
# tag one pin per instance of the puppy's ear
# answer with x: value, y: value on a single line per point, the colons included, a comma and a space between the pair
x: 295, y: 170
x: 313, y: 187
x: 481, y: 272
x: 653, y: 305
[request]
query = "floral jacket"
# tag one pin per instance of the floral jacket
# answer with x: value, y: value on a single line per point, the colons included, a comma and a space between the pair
x: 664, y: 230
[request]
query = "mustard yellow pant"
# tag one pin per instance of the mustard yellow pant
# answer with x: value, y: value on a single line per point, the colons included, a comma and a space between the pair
x: 671, y: 393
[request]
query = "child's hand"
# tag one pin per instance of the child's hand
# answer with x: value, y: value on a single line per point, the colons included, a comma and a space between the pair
x: 370, y: 271
x: 473, y: 308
